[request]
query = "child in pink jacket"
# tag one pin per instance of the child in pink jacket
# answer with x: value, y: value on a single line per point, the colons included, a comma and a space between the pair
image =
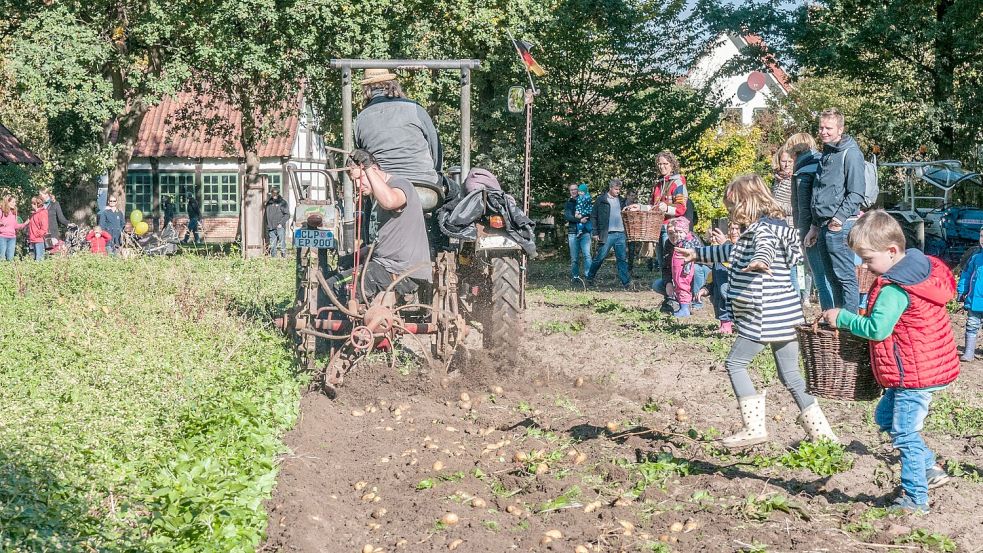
x: 683, y: 272
x: 37, y: 228
x: 687, y: 277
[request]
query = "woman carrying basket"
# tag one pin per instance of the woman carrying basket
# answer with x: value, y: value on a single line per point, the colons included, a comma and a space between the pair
x: 765, y: 306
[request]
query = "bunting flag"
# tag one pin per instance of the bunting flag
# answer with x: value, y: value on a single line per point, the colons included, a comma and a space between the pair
x: 523, y: 48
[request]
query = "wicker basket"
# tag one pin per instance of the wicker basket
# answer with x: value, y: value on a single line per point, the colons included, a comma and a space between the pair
x: 643, y: 226
x: 837, y: 364
x: 865, y: 279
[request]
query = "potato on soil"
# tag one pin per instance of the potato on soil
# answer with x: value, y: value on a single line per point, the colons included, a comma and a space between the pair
x: 478, y: 503
x: 497, y: 390
x: 455, y: 544
x: 379, y: 513
x: 438, y: 465
x: 612, y: 426
x: 579, y: 383
x: 450, y: 519
x: 549, y: 536
x: 581, y: 549
x: 465, y: 396
x: 514, y: 510
x: 676, y: 527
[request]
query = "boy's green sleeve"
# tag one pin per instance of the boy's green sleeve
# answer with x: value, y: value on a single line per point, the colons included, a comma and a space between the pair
x: 878, y: 325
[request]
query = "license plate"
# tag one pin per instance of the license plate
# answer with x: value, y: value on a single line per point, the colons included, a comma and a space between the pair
x: 496, y: 242
x: 314, y: 238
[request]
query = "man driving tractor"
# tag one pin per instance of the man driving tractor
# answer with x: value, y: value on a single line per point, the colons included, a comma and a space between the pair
x: 397, y: 130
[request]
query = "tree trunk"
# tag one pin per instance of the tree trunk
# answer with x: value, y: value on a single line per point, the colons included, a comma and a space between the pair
x: 251, y: 207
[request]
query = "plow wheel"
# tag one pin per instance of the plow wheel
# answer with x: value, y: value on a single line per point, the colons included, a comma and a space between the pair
x: 502, y: 322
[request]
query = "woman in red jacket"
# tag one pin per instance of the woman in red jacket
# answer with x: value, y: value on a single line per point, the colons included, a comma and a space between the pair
x: 37, y: 227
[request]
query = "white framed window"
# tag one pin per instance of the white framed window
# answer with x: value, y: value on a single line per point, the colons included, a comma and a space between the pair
x: 180, y: 187
x: 139, y: 192
x: 220, y: 194
x: 274, y: 180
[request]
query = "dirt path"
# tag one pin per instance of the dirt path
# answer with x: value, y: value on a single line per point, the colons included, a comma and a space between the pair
x: 585, y: 439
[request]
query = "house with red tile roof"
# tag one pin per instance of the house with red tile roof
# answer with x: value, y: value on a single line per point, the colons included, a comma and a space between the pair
x: 13, y: 152
x: 744, y: 95
x: 170, y: 160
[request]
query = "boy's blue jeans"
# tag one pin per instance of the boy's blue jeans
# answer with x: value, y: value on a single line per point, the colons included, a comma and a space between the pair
x: 37, y: 248
x: 901, y: 413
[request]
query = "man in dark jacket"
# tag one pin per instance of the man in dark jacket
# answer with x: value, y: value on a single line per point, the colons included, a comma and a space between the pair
x: 111, y: 221
x: 609, y: 230
x: 168, y: 208
x: 837, y: 194
x: 55, y: 215
x: 277, y: 217
x: 579, y: 245
x: 194, y: 220
x: 397, y: 131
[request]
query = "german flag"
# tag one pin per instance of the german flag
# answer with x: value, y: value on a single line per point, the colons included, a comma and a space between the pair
x: 523, y: 47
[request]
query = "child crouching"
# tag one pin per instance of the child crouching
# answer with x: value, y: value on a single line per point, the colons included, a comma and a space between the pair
x: 765, y: 306
x: 688, y: 278
x: 912, y: 346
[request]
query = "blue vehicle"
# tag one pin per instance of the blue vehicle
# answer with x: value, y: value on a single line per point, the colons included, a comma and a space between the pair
x: 940, y: 210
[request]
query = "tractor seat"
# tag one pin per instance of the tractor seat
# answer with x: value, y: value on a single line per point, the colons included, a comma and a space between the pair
x: 431, y: 195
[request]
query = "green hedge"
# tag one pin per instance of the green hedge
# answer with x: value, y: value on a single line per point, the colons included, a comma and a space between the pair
x: 142, y: 402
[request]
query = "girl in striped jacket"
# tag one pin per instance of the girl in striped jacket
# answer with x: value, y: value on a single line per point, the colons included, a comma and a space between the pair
x: 765, y: 306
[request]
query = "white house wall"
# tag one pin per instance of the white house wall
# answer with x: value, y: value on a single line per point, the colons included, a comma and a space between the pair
x: 727, y: 87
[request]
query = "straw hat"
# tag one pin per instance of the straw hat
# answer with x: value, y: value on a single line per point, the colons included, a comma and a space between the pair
x: 373, y: 76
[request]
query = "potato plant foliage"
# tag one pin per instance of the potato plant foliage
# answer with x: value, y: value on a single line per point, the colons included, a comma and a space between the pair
x: 143, y: 402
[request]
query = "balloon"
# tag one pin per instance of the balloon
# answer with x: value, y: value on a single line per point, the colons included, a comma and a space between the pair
x: 136, y: 216
x: 756, y: 81
x: 141, y: 228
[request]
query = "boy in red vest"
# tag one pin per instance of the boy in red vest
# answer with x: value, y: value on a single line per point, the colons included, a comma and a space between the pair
x: 912, y: 346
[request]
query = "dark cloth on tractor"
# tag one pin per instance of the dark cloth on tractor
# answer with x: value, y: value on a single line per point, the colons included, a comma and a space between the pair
x: 457, y: 217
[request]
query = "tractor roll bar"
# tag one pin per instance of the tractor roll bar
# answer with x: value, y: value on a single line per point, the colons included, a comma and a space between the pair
x: 346, y: 66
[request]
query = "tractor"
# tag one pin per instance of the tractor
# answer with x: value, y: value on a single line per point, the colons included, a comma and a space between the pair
x: 939, y: 210
x: 476, y: 283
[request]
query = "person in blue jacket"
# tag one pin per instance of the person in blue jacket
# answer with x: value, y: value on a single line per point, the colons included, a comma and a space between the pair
x: 970, y: 292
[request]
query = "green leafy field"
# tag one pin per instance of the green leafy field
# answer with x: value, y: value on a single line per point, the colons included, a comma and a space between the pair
x: 141, y: 402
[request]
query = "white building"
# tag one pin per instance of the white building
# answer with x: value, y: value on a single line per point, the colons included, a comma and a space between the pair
x: 168, y: 162
x: 737, y: 92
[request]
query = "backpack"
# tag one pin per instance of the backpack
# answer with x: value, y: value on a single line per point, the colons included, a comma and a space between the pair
x: 871, y: 188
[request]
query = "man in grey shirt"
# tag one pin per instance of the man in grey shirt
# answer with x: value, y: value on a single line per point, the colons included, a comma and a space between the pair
x: 609, y: 230
x: 397, y: 131
x: 401, y: 246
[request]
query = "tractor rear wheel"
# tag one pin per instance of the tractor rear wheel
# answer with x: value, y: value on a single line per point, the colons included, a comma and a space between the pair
x: 502, y: 323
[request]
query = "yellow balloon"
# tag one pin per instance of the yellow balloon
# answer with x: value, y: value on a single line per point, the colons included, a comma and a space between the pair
x: 141, y: 228
x: 136, y: 216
